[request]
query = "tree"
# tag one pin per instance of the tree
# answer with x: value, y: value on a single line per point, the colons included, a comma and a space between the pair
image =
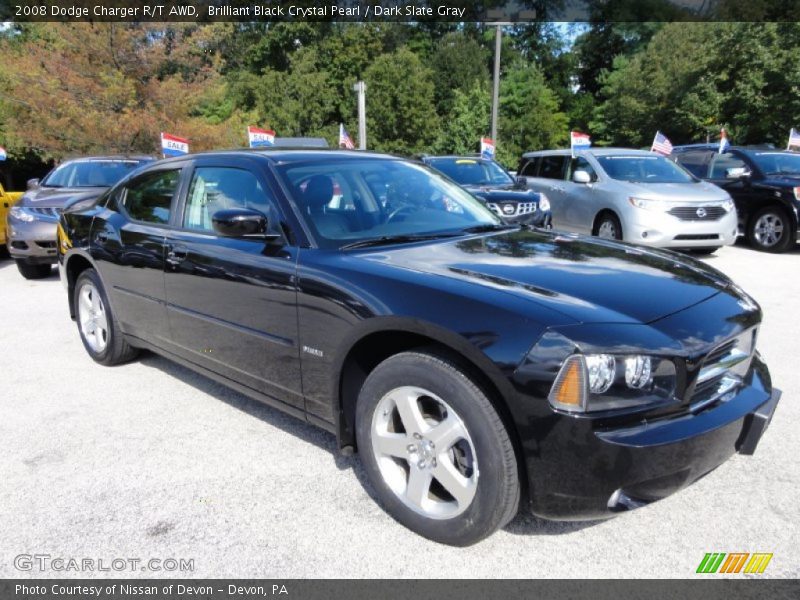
x: 467, y: 121
x: 400, y: 105
x: 459, y: 63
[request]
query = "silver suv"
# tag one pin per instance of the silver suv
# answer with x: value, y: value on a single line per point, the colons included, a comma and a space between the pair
x: 631, y: 195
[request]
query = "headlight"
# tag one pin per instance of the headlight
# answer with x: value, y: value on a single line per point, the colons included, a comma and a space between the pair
x: 19, y: 212
x: 544, y: 202
x: 649, y: 204
x: 728, y: 205
x: 598, y: 382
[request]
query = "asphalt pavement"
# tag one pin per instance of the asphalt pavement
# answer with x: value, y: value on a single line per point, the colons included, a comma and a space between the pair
x: 151, y: 461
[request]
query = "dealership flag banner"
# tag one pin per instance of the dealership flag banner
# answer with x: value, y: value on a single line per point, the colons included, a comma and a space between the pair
x: 260, y: 138
x: 661, y: 144
x: 794, y: 139
x: 487, y: 147
x: 724, y: 143
x: 3, y: 154
x: 579, y: 140
x: 344, y: 138
x: 172, y: 145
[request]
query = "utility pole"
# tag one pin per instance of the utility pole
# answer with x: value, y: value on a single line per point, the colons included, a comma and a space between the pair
x: 361, y: 88
x: 498, y: 41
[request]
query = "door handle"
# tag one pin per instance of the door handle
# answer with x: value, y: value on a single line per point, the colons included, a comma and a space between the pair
x: 176, y: 255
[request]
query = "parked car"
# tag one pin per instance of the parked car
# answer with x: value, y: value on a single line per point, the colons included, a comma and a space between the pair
x: 631, y: 195
x: 7, y: 200
x: 476, y: 366
x: 764, y: 183
x: 495, y: 186
x: 31, y: 224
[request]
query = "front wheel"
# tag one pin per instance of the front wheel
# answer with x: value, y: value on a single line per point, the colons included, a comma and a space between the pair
x: 608, y: 227
x: 436, y: 450
x: 29, y: 271
x: 770, y: 230
x: 98, y: 328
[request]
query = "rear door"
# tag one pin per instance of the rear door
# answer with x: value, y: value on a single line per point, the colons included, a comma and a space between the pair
x: 232, y: 302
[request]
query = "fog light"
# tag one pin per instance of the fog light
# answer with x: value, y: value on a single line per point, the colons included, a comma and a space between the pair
x: 638, y: 371
x: 644, y: 234
x: 601, y: 369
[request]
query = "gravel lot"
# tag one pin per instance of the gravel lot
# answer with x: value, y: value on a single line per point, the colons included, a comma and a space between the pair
x: 149, y: 460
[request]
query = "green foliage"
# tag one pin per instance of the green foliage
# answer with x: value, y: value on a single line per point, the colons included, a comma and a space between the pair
x: 468, y: 120
x: 459, y: 63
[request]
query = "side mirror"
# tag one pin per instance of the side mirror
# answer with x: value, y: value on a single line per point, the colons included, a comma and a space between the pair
x: 581, y: 177
x: 522, y: 181
x: 33, y: 183
x: 241, y: 223
x: 737, y: 173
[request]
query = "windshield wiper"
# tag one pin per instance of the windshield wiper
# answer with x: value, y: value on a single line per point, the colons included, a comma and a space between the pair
x: 487, y: 228
x: 395, y: 239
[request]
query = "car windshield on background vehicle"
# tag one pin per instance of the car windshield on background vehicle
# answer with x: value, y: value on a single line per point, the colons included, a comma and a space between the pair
x: 353, y: 203
x: 777, y: 163
x: 472, y: 171
x: 644, y: 169
x: 90, y: 173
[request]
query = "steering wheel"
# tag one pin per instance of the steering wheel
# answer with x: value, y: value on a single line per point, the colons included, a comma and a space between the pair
x: 399, y: 211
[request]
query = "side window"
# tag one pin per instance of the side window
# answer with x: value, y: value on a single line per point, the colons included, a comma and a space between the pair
x: 694, y: 162
x: 552, y: 167
x: 149, y: 198
x: 528, y: 167
x: 722, y: 162
x: 218, y: 188
x: 581, y: 164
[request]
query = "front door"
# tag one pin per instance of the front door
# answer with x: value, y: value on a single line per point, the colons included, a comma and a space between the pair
x: 580, y: 209
x: 232, y: 302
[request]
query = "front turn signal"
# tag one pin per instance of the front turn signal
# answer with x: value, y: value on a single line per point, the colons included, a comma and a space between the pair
x: 569, y: 389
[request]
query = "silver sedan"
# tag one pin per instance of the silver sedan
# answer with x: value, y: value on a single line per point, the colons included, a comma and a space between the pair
x: 631, y: 195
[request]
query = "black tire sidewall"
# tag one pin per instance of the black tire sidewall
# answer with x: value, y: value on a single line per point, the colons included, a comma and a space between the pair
x: 480, y: 518
x: 29, y: 271
x: 90, y: 275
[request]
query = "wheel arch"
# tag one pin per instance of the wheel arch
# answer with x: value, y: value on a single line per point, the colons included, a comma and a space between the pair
x: 600, y: 214
x: 386, y: 336
x: 75, y: 264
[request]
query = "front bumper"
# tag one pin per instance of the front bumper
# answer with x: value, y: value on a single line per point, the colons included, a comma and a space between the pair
x: 663, y: 230
x: 33, y: 242
x: 594, y: 472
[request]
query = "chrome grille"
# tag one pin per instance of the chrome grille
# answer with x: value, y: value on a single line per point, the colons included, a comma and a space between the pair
x: 697, y: 213
x: 517, y: 208
x: 723, y: 369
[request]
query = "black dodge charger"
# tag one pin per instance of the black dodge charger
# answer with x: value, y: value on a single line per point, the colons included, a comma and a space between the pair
x: 476, y: 366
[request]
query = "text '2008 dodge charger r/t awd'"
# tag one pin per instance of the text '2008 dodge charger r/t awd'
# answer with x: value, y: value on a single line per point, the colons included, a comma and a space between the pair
x: 476, y: 366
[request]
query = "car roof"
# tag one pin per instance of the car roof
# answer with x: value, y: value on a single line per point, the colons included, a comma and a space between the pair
x: 592, y: 151
x: 139, y: 157
x: 456, y: 157
x: 715, y: 146
x: 287, y: 155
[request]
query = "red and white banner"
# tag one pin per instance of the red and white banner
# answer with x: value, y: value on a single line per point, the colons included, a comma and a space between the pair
x: 172, y: 145
x: 259, y: 138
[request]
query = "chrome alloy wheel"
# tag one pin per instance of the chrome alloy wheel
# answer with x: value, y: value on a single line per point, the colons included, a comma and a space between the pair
x: 424, y: 452
x: 607, y: 230
x: 768, y: 229
x: 92, y: 318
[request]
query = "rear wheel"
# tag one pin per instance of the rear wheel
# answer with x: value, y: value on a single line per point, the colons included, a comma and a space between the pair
x: 98, y: 328
x: 608, y: 227
x: 29, y: 271
x: 770, y: 230
x: 436, y: 450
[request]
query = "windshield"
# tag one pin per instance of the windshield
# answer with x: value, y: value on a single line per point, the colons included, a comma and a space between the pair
x: 777, y: 163
x: 90, y: 173
x: 348, y: 201
x: 471, y: 171
x: 644, y: 169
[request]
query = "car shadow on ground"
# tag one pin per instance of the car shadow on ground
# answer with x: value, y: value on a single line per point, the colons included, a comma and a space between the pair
x: 523, y: 524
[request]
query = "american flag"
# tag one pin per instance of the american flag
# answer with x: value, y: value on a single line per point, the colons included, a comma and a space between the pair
x: 661, y: 144
x: 794, y: 139
x: 344, y: 139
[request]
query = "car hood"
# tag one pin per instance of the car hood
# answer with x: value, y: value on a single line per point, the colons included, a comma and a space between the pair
x: 678, y: 192
x: 507, y: 195
x: 586, y: 279
x: 45, y: 197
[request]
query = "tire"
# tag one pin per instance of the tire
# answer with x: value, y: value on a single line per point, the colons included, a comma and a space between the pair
x: 475, y: 458
x: 97, y: 325
x: 608, y: 227
x: 770, y: 230
x: 29, y: 271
